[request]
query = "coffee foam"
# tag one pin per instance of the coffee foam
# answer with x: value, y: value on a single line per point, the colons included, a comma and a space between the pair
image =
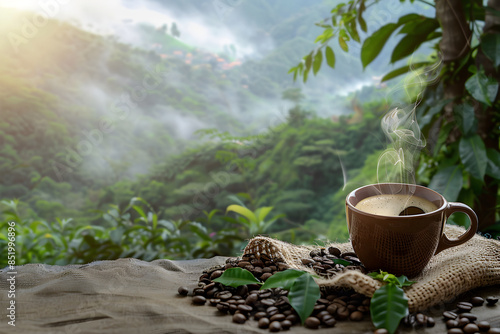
x: 393, y: 204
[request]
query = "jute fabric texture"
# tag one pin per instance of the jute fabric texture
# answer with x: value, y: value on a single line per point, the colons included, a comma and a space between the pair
x: 451, y: 272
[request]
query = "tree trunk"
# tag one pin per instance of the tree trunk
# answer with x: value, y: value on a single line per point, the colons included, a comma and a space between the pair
x: 454, y: 45
x: 486, y: 202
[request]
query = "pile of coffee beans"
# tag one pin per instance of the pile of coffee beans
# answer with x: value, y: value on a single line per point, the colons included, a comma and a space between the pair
x: 323, y: 261
x: 271, y: 310
x: 462, y: 321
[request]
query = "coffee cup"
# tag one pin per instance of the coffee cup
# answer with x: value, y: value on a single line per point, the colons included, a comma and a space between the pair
x: 398, y: 227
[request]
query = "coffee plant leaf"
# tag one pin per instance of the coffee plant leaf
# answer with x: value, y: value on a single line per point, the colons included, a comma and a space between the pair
x: 342, y: 262
x: 283, y: 279
x: 236, y: 276
x: 388, y: 306
x: 303, y: 295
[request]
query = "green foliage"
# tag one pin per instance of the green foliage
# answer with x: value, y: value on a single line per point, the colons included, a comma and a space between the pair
x: 236, y: 276
x: 303, y: 295
x: 389, y: 303
x: 254, y: 221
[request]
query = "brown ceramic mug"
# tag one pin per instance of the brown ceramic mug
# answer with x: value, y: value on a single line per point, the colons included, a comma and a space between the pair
x: 402, y: 245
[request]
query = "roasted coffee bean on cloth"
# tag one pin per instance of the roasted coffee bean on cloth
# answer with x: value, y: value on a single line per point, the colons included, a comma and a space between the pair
x: 269, y: 308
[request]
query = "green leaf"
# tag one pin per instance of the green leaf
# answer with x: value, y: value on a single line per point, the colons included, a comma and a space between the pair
x: 374, y: 44
x: 404, y: 281
x: 330, y: 57
x: 473, y: 155
x: 303, y: 295
x: 403, y: 70
x: 343, y: 44
x: 362, y: 23
x: 388, y: 306
x: 342, y: 262
x: 236, y: 276
x: 308, y: 61
x: 412, y: 41
x: 466, y: 119
x: 448, y: 182
x: 261, y: 213
x: 318, y: 59
x: 242, y: 211
x: 436, y: 108
x: 482, y: 88
x: 493, y: 167
x: 490, y: 44
x: 283, y: 279
x: 352, y: 30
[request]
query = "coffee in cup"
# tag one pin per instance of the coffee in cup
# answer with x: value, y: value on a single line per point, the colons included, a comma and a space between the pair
x: 387, y: 235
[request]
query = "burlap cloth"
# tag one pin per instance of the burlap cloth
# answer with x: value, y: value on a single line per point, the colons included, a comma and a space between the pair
x: 132, y: 296
x: 450, y: 273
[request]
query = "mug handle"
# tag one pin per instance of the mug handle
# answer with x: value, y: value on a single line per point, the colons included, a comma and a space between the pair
x: 453, y: 207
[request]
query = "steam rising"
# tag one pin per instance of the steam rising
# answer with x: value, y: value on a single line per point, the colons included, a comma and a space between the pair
x: 397, y: 163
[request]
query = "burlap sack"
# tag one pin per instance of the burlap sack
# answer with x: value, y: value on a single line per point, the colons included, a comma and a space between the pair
x: 452, y: 272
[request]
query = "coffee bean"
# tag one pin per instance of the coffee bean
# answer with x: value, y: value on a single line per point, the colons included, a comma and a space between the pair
x: 315, y: 252
x: 233, y: 308
x: 307, y: 262
x: 342, y: 314
x: 464, y: 306
x: 225, y: 295
x: 339, y: 301
x: 493, y: 331
x: 259, y: 315
x: 356, y: 316
x: 321, y: 314
x: 323, y: 301
x: 462, y: 322
x: 283, y: 266
x: 263, y: 323
x: 214, y: 301
x: 430, y: 322
x: 272, y: 310
x: 334, y: 251
x: 267, y: 270
x: 450, y: 315
x: 490, y: 300
x: 199, y: 300
x: 483, y: 326
x: 275, y: 326
x: 381, y: 331
x: 292, y: 318
x: 243, y: 264
x: 312, y: 323
x: 469, y: 316
x: 216, y: 274
x: 470, y: 329
x: 267, y: 302
x: 239, y: 318
x: 319, y: 307
x: 277, y: 317
x: 421, y: 319
x: 198, y: 292
x: 251, y: 299
x: 183, y: 291
x: 477, y: 301
x: 455, y: 331
x: 286, y: 324
x: 265, y: 294
x: 245, y: 308
x: 265, y: 276
x: 452, y: 323
x: 329, y: 321
x: 409, y: 320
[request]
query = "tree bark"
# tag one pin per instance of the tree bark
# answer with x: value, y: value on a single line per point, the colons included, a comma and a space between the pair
x: 486, y: 202
x: 454, y: 45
